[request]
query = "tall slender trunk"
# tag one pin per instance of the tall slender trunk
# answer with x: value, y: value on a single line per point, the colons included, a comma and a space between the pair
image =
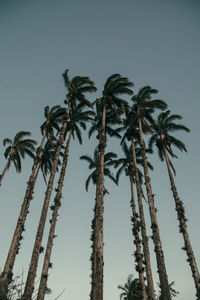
x: 29, y: 286
x: 183, y: 227
x: 138, y: 254
x: 164, y: 285
x: 151, y: 291
x: 6, y: 276
x: 98, y: 290
x: 93, y: 254
x: 56, y: 206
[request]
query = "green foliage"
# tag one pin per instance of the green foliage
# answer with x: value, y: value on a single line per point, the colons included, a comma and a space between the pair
x: 53, y: 118
x: 115, y: 86
x: 144, y: 106
x: 78, y: 118
x: 18, y: 148
x: 77, y: 87
x: 93, y: 165
x: 47, y: 157
x: 162, y: 128
x: 131, y: 290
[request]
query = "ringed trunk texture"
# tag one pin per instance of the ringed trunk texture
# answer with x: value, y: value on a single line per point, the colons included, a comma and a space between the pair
x: 151, y: 291
x: 164, y: 285
x: 93, y: 254
x: 137, y: 241
x: 183, y: 228
x: 98, y: 291
x: 29, y: 286
x: 93, y: 257
x: 56, y: 206
x: 7, y: 273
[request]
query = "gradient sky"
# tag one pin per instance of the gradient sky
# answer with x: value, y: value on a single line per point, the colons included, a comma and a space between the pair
x: 153, y: 42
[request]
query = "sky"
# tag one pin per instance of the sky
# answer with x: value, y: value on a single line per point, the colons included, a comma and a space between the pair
x: 154, y: 43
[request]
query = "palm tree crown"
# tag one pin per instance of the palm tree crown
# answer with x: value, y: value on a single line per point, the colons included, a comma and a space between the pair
x: 93, y: 165
x: 52, y: 116
x: 47, y: 157
x: 76, y: 87
x: 115, y: 86
x: 126, y: 163
x: 162, y: 129
x: 144, y: 106
x: 131, y: 289
x: 18, y: 148
x: 78, y: 117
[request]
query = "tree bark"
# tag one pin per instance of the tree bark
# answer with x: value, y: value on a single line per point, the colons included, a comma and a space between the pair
x: 183, y: 227
x: 93, y: 254
x: 56, y: 206
x: 164, y: 285
x: 29, y: 286
x: 97, y: 290
x: 137, y: 241
x: 151, y: 291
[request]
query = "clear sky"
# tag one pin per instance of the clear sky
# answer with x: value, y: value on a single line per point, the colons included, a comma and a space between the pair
x: 153, y: 42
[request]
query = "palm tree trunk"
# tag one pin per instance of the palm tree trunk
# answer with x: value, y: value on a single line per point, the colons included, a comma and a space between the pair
x: 6, y: 276
x: 98, y: 290
x: 183, y: 227
x: 29, y: 286
x: 164, y: 285
x: 151, y: 291
x: 56, y: 206
x: 93, y: 254
x: 17, y: 236
x: 138, y: 254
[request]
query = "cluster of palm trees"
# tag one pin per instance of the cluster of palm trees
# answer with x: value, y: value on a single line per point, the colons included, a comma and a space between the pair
x: 111, y: 115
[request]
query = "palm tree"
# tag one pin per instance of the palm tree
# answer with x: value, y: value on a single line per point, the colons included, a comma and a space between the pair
x: 110, y: 104
x: 45, y: 163
x: 16, y: 150
x: 78, y: 118
x: 93, y: 165
x: 128, y: 164
x: 162, y: 138
x: 132, y: 134
x: 77, y: 87
x: 143, y: 107
x: 131, y: 290
x: 47, y: 127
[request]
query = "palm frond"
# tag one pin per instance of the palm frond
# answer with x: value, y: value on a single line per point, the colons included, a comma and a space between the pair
x: 88, y: 181
x: 7, y: 151
x: 108, y: 174
x: 20, y: 135
x: 17, y: 162
x: 7, y: 141
x: 119, y: 172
